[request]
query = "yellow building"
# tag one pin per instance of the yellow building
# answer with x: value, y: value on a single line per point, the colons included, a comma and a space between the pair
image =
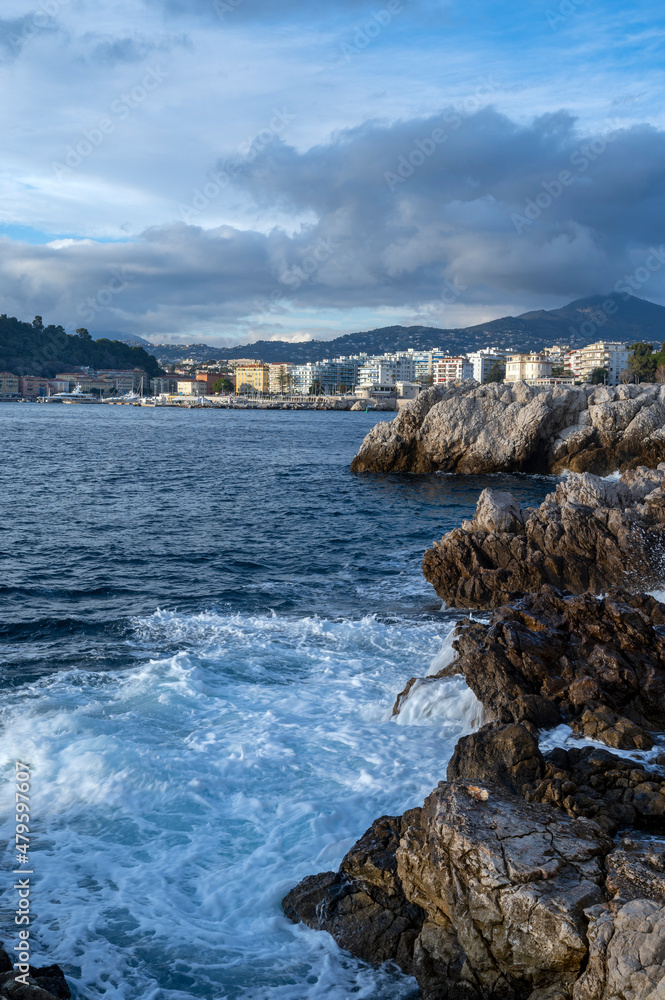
x: 252, y: 378
x: 525, y: 367
x: 8, y: 384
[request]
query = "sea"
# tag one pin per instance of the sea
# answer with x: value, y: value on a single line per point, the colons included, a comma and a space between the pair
x: 205, y: 620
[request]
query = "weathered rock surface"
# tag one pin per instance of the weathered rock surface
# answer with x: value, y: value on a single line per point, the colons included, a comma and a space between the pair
x: 589, y: 534
x: 464, y: 427
x: 627, y: 953
x: 47, y: 983
x: 498, y: 889
x: 595, y: 663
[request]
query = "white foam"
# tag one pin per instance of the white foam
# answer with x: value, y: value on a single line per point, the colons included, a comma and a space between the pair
x: 563, y: 736
x: 175, y: 803
x: 441, y: 699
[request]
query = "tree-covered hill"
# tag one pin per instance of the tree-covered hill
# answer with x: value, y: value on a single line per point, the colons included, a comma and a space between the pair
x: 35, y: 349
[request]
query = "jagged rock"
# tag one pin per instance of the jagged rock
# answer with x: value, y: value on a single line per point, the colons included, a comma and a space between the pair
x: 500, y: 887
x: 627, y: 953
x: 504, y: 755
x: 469, y: 428
x: 596, y: 784
x: 363, y: 905
x: 46, y: 983
x: 589, y: 534
x: 636, y: 870
x: 548, y: 659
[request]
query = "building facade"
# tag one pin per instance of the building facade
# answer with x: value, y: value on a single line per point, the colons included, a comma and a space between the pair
x: 449, y: 369
x: 608, y: 354
x: 484, y: 361
x: 252, y: 378
x: 281, y: 378
x: 8, y: 384
x: 527, y: 367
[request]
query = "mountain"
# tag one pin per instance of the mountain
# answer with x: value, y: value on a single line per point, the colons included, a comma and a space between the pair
x: 26, y: 349
x: 579, y: 323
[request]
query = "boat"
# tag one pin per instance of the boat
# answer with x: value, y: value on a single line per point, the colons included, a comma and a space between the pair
x: 77, y: 395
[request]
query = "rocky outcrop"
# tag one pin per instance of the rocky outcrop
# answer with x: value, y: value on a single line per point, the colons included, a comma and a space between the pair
x: 500, y: 889
x: 464, y: 427
x: 47, y: 983
x: 590, y: 534
x: 502, y: 886
x: 597, y: 664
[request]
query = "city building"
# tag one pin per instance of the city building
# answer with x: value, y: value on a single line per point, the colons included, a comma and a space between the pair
x: 164, y: 384
x: 253, y: 378
x: 208, y: 379
x: 483, y: 362
x: 449, y: 369
x: 189, y: 386
x: 88, y: 381
x: 608, y: 354
x: 408, y: 390
x: 8, y: 384
x: 528, y: 367
x: 126, y: 380
x: 281, y: 378
x: 33, y: 386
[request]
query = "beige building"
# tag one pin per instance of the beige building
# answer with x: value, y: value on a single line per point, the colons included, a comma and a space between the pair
x: 281, y: 378
x: 608, y: 354
x: 253, y: 378
x: 527, y: 367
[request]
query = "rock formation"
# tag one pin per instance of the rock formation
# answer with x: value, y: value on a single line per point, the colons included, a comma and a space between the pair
x: 590, y: 534
x: 597, y: 664
x: 464, y: 427
x: 47, y: 983
x: 481, y: 894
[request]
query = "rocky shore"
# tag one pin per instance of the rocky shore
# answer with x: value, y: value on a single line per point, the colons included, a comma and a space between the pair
x: 590, y: 534
x: 466, y: 427
x: 536, y: 870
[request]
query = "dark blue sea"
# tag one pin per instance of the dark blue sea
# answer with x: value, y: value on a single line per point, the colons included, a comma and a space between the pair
x: 205, y: 620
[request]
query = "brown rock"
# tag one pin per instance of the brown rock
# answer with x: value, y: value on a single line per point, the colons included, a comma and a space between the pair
x: 587, y: 535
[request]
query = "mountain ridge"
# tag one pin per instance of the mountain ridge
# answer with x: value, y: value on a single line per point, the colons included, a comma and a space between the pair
x: 578, y: 323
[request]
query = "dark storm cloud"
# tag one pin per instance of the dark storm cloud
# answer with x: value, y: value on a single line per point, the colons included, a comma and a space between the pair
x: 465, y: 199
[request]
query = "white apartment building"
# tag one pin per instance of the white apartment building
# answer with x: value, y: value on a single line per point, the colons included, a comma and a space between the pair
x: 484, y: 360
x: 449, y: 369
x: 386, y: 371
x: 527, y: 367
x: 281, y: 377
x: 608, y: 354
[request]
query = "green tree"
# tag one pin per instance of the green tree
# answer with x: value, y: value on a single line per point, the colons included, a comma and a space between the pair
x: 83, y: 333
x: 558, y: 371
x: 315, y: 388
x: 497, y: 373
x: 599, y: 376
x: 38, y: 323
x: 222, y: 385
x: 642, y: 362
x: 342, y: 388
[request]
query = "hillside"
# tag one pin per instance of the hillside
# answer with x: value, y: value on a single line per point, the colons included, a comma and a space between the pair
x: 29, y: 349
x: 634, y: 319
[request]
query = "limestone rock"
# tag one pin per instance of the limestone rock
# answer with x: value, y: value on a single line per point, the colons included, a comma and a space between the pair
x: 627, y: 953
x: 504, y: 755
x: 589, y: 534
x: 464, y: 427
x: 499, y: 887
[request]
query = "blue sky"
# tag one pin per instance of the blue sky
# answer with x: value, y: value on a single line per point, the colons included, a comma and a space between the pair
x: 228, y: 170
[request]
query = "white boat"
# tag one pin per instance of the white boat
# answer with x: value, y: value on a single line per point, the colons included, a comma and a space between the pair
x: 76, y: 396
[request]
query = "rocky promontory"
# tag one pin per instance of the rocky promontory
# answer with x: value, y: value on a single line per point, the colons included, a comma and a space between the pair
x: 46, y: 983
x: 590, y: 534
x: 527, y: 875
x: 471, y: 428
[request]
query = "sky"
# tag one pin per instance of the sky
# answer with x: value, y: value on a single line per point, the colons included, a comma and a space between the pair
x: 232, y: 170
